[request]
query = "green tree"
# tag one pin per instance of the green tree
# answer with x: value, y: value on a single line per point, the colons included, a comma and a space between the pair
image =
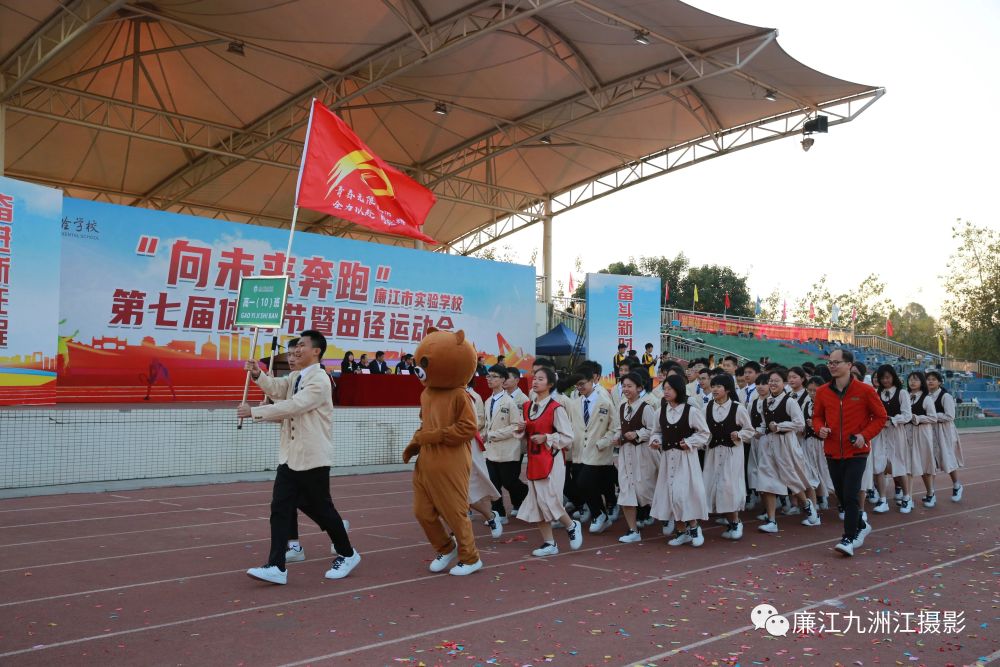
x: 770, y: 306
x: 913, y: 326
x: 972, y: 308
x: 713, y: 281
x: 822, y: 302
x: 872, y: 307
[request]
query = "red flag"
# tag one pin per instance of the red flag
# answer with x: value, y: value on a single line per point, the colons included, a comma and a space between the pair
x: 812, y: 311
x: 727, y: 304
x: 784, y: 310
x: 854, y: 314
x: 341, y: 176
x: 571, y: 287
x: 888, y: 328
x: 666, y: 293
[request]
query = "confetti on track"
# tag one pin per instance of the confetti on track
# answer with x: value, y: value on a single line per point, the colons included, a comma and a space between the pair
x: 156, y: 576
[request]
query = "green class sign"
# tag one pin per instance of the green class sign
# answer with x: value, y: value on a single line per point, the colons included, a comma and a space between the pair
x: 261, y: 301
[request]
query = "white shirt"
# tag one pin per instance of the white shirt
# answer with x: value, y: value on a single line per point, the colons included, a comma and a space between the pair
x: 494, y: 399
x: 305, y: 371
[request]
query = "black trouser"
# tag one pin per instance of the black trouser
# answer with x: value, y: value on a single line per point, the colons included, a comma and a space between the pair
x: 310, y: 491
x: 507, y: 475
x: 746, y: 466
x: 571, y: 488
x: 597, y: 486
x: 846, y: 476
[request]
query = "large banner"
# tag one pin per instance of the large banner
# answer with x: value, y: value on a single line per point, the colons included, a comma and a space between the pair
x: 621, y: 309
x: 149, y: 299
x: 29, y: 292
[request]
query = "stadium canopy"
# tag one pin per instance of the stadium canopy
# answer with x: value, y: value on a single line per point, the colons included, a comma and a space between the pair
x: 512, y: 112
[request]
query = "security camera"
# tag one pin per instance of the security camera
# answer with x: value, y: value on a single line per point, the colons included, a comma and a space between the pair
x: 807, y: 143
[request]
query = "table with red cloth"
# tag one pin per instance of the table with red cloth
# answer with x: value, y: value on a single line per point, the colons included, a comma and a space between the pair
x: 398, y: 391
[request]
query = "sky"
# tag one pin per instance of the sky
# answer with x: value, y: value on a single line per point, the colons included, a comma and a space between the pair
x: 879, y: 194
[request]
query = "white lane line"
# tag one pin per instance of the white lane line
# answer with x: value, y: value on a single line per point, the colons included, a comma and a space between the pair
x: 164, y: 502
x: 389, y: 584
x: 599, y: 569
x: 204, y: 576
x: 737, y: 590
x: 736, y: 631
x: 336, y: 487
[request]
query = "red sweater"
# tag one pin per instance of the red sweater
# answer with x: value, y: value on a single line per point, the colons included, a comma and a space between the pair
x: 856, y: 410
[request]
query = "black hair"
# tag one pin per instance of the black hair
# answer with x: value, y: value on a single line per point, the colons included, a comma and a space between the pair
x: 798, y: 370
x: 500, y: 358
x: 816, y: 380
x: 731, y: 358
x: 635, y: 378
x: 544, y: 362
x: 380, y: 353
x: 823, y: 371
x: 780, y: 372
x: 752, y: 365
x: 707, y: 371
x: 809, y: 367
x: 585, y: 367
x: 598, y: 369
x: 498, y: 369
x: 680, y: 388
x: 940, y: 379
x: 725, y: 380
x: 923, y: 381
x: 346, y: 354
x: 316, y: 339
x: 292, y: 342
x: 771, y: 365
x: 513, y: 372
x: 649, y: 345
x: 633, y: 353
x: 886, y: 368
x: 845, y: 355
x: 761, y: 380
x: 739, y: 370
x: 622, y: 346
x: 667, y: 366
x: 633, y: 363
x: 861, y: 367
x: 719, y: 370
x: 550, y: 376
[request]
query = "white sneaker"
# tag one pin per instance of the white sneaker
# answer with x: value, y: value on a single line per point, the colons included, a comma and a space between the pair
x: 763, y: 517
x: 824, y: 503
x: 899, y: 496
x: 697, y: 537
x: 504, y: 521
x: 295, y: 555
x: 630, y: 537
x: 575, y: 533
x: 585, y: 516
x: 812, y: 516
x: 811, y: 521
x: 269, y: 573
x: 615, y: 513
x: 600, y: 524
x: 645, y: 523
x: 496, y: 528
x: 930, y: 501
x: 768, y: 527
x: 735, y: 531
x: 680, y: 538
x: 881, y: 507
x: 791, y: 510
x: 546, y: 549
x: 342, y: 566
x: 513, y: 512
x: 442, y: 561
x: 956, y: 494
x: 845, y: 546
x: 840, y: 512
x: 722, y: 521
x: 905, y: 505
x: 462, y: 569
x: 668, y: 528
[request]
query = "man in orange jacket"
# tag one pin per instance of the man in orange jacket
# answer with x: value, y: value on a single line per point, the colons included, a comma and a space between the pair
x: 847, y: 414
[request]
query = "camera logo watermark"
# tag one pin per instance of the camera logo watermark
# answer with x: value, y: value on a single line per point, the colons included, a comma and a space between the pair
x: 925, y: 622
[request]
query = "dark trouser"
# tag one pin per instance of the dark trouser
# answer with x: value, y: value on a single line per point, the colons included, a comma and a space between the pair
x: 846, y: 476
x: 507, y: 475
x: 309, y: 490
x: 746, y: 467
x: 571, y: 488
x: 597, y: 486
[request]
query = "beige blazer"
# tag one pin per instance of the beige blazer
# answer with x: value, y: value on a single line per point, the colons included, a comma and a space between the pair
x: 599, y: 432
x: 306, y: 418
x: 503, y: 441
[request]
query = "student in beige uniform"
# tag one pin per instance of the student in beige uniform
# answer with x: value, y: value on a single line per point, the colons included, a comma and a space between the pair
x: 482, y: 492
x: 920, y: 436
x: 679, y: 494
x: 892, y: 462
x: 636, y: 461
x: 780, y: 460
x: 502, y: 436
x: 796, y: 387
x: 948, y: 444
x: 725, y: 483
x: 304, y: 458
x: 548, y: 432
x: 597, y: 471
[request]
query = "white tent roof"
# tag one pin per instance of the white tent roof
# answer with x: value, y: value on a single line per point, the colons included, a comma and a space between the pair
x: 153, y: 103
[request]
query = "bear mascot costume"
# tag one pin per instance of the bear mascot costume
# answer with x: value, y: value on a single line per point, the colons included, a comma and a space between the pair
x: 444, y: 363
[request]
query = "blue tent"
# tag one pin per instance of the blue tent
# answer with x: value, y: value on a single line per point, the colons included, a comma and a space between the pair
x: 559, y: 341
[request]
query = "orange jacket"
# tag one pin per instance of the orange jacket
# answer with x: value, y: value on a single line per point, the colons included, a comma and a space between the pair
x: 856, y: 410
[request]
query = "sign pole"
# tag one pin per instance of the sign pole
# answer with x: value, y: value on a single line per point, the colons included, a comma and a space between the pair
x: 246, y: 384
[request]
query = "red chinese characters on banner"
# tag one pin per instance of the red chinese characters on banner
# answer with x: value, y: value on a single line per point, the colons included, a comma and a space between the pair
x: 6, y: 241
x: 625, y: 315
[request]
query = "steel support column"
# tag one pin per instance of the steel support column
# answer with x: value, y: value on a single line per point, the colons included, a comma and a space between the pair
x: 547, y: 254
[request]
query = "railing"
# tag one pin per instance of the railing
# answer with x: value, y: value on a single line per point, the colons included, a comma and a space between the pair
x: 685, y: 348
x: 572, y: 322
x: 895, y: 348
x: 988, y: 369
x: 967, y: 411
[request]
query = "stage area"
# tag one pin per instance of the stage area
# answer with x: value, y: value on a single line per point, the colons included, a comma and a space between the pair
x: 156, y: 576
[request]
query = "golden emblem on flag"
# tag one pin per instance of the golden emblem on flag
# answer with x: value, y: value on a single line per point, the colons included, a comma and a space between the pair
x: 372, y: 175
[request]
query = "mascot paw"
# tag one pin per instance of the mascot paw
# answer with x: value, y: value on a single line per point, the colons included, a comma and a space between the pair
x: 413, y: 449
x: 422, y: 437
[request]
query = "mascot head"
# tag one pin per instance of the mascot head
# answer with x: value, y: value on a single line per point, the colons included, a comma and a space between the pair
x: 445, y: 360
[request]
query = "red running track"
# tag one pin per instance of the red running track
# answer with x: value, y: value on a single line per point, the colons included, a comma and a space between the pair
x: 157, y: 577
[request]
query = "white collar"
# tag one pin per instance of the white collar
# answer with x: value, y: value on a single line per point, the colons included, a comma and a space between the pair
x: 498, y: 394
x: 722, y: 406
x: 305, y: 371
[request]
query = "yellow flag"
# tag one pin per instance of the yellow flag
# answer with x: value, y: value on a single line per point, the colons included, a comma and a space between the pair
x: 696, y: 294
x: 940, y: 344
